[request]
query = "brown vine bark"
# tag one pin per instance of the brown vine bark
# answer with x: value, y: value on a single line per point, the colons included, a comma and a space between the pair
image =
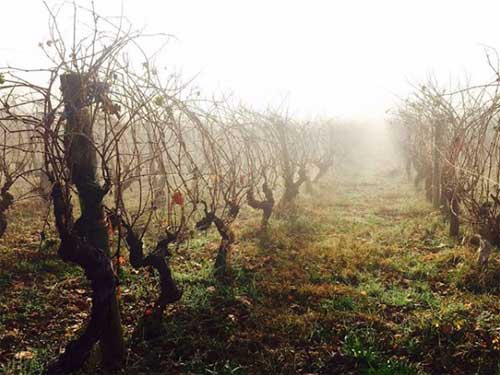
x: 86, y: 243
x: 227, y: 239
x: 157, y: 258
x: 98, y: 270
x: 221, y: 266
x: 292, y: 187
x: 265, y: 205
x: 454, y: 204
x: 323, y: 168
x: 6, y: 200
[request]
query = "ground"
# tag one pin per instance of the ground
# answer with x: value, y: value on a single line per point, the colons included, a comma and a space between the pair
x: 360, y: 279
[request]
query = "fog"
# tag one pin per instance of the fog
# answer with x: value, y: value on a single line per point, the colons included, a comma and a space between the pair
x: 235, y: 187
x: 345, y: 59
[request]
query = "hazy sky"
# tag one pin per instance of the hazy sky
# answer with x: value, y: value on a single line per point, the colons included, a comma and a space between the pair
x: 345, y: 58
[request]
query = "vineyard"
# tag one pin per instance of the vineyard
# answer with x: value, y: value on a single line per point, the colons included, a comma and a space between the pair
x: 148, y: 228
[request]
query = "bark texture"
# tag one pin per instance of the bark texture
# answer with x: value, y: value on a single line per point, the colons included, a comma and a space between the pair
x: 85, y: 242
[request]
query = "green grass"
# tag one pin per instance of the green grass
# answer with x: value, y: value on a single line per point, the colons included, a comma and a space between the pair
x: 360, y: 279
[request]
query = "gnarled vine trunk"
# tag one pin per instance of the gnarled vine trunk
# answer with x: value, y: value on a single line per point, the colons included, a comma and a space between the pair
x: 169, y: 292
x: 6, y: 200
x: 292, y: 187
x: 97, y: 267
x: 454, y: 206
x: 86, y: 243
x: 323, y: 168
x: 221, y: 267
x: 227, y: 240
x: 265, y: 205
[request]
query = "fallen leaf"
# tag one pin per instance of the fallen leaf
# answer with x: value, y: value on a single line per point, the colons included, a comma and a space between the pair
x: 24, y: 354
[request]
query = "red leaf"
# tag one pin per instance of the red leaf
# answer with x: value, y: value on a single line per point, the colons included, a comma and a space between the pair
x: 178, y: 198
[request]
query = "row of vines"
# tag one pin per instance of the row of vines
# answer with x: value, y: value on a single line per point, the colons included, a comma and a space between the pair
x: 130, y: 154
x: 449, y: 138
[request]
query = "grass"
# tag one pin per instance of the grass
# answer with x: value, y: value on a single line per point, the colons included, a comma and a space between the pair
x: 360, y: 279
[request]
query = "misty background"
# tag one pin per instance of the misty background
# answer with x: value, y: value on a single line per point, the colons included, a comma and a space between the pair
x: 350, y: 60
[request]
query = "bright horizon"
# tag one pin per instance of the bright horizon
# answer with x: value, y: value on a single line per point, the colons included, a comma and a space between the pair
x: 344, y: 59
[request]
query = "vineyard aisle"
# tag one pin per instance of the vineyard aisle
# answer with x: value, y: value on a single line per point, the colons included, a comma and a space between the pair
x: 360, y: 278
